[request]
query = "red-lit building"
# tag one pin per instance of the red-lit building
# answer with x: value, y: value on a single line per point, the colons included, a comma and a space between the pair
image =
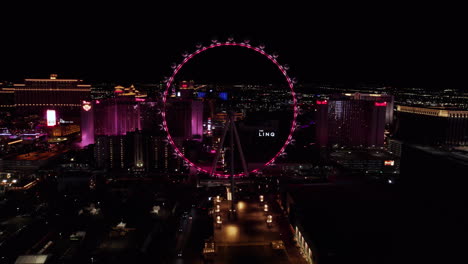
x: 380, y: 98
x: 347, y: 122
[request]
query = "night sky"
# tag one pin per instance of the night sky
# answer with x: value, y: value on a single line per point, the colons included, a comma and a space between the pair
x: 405, y: 46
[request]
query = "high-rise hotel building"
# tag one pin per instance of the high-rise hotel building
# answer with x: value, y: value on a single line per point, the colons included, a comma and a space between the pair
x: 347, y: 121
x: 35, y: 96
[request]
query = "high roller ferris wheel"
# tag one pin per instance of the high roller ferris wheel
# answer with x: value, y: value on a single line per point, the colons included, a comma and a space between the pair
x: 229, y: 43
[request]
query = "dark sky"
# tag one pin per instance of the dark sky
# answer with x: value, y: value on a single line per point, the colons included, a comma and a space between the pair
x: 395, y: 45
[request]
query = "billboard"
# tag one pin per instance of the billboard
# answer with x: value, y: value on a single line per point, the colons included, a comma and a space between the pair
x: 51, y: 118
x: 86, y: 106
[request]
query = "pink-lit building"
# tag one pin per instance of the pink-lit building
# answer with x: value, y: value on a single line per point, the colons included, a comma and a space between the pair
x: 185, y: 118
x: 120, y: 114
x: 127, y: 134
x: 350, y: 122
x: 322, y: 122
x: 388, y: 99
x: 380, y: 98
x: 87, y: 123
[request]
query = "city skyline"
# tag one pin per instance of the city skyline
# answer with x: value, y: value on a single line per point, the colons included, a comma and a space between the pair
x: 303, y: 134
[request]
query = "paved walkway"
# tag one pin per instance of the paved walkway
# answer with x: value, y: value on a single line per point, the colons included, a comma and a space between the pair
x: 245, y: 236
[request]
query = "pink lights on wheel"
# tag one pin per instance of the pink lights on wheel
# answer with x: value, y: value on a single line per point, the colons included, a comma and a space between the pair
x: 273, y: 58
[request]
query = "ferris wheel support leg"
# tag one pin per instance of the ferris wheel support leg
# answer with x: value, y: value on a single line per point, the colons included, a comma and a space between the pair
x: 241, y: 152
x: 231, y: 136
x: 220, y: 146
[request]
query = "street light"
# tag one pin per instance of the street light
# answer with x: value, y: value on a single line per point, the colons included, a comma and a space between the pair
x: 265, y: 208
x: 269, y: 220
x: 261, y: 198
x: 156, y: 209
x: 217, y: 208
x: 218, y: 219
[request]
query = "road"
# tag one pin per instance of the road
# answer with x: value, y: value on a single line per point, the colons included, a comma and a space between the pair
x: 196, y: 227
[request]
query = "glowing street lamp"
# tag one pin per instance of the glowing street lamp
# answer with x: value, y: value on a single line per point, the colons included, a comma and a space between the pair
x: 261, y: 198
x: 218, y: 219
x: 269, y: 219
x: 156, y: 209
x: 265, y: 208
x: 217, y: 208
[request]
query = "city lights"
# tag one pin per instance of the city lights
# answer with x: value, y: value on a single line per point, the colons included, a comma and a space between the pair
x: 380, y: 144
x: 177, y: 67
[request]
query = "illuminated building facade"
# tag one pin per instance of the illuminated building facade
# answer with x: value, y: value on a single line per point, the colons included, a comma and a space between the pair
x: 137, y: 152
x: 432, y: 126
x: 87, y: 123
x: 322, y: 122
x: 349, y: 122
x: 7, y: 97
x: 64, y: 95
x: 128, y: 135
x: 185, y: 118
x: 120, y: 114
x: 111, y: 152
x: 388, y: 99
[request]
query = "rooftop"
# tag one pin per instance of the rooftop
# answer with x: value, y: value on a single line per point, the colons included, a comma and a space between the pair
x: 364, y: 154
